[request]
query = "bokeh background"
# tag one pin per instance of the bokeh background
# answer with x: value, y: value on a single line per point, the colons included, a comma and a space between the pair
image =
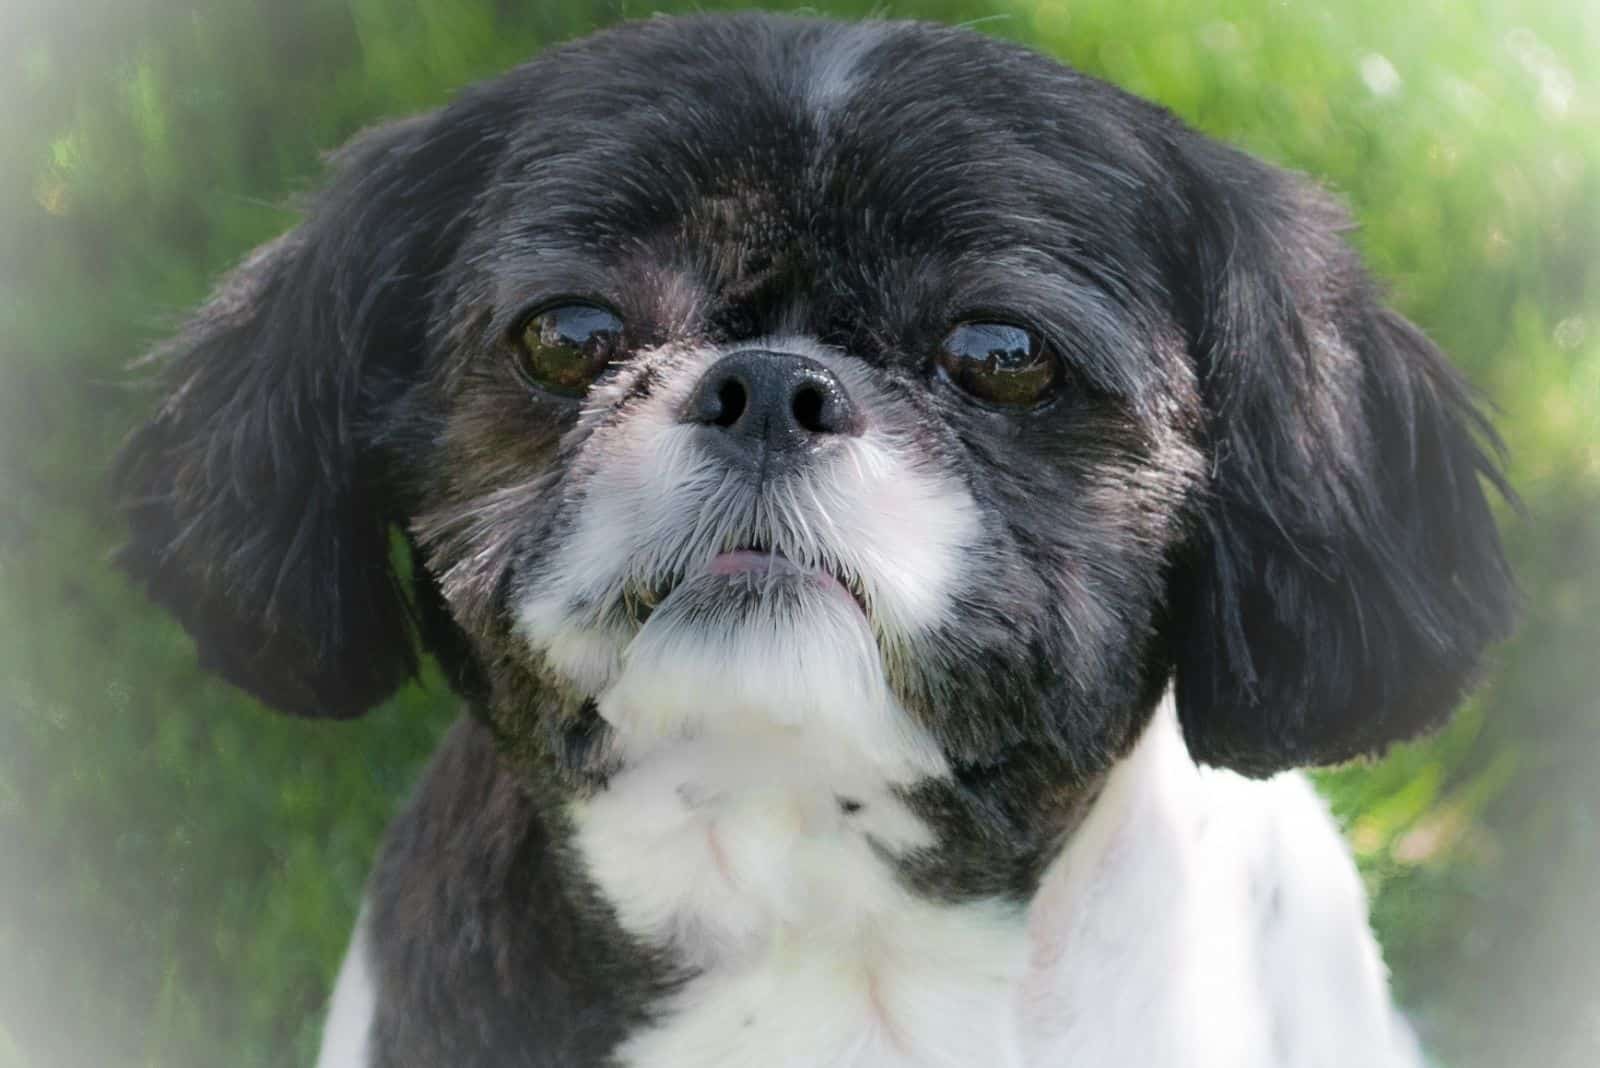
x: 179, y: 869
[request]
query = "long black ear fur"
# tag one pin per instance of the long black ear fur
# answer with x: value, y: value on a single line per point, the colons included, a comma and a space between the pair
x: 258, y: 513
x: 1345, y: 575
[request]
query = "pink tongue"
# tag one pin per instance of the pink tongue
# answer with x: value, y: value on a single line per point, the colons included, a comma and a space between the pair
x: 747, y: 560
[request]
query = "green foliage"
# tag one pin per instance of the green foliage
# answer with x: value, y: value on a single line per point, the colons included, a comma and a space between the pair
x: 178, y: 870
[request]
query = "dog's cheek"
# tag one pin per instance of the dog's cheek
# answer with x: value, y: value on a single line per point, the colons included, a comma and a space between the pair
x: 1049, y: 638
x: 904, y: 524
x: 896, y: 505
x: 628, y: 474
x: 492, y: 470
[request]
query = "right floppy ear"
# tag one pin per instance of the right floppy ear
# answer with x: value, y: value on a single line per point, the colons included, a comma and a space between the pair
x: 1345, y: 575
x: 258, y: 512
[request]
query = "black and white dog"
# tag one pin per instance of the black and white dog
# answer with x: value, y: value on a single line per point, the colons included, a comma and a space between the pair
x: 854, y: 475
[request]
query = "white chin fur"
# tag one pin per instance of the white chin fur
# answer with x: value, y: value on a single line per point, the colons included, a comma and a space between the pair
x: 777, y: 658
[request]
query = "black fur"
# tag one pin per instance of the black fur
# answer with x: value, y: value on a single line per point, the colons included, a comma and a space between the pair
x: 259, y: 499
x: 1347, y: 574
x: 495, y: 951
x: 1259, y: 481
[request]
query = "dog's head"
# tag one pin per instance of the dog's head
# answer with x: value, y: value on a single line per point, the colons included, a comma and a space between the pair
x: 882, y: 383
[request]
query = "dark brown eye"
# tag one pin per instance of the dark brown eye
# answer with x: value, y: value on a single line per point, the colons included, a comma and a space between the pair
x: 1000, y: 363
x: 565, y: 348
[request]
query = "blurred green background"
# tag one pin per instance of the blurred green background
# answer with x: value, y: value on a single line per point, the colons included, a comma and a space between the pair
x: 179, y: 869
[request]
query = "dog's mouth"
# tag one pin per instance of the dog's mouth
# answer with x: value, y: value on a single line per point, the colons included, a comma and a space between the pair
x: 756, y: 561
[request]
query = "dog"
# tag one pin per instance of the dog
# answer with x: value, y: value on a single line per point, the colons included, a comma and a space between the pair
x: 890, y: 506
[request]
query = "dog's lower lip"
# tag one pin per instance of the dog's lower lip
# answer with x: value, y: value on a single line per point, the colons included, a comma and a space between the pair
x: 762, y: 562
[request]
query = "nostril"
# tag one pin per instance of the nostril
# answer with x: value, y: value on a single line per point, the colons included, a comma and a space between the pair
x: 808, y: 406
x: 779, y: 399
x: 731, y: 401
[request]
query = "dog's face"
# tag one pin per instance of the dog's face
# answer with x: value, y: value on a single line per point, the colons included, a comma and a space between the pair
x: 881, y: 383
x: 802, y: 409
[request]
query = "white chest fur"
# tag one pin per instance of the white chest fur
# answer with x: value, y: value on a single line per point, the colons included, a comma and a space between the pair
x: 1194, y: 921
x: 768, y: 877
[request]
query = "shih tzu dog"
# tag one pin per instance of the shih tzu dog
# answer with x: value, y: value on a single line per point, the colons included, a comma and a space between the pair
x: 887, y: 503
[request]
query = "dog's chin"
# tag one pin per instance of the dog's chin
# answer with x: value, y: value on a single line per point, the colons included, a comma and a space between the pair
x: 777, y: 657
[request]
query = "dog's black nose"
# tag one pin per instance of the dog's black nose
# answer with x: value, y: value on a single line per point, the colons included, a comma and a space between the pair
x: 760, y: 402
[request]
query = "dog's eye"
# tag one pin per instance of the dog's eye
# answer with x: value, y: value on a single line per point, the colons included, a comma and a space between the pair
x: 1000, y: 363
x: 565, y: 348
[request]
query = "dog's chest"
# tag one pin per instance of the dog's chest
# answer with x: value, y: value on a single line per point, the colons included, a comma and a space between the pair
x: 767, y: 876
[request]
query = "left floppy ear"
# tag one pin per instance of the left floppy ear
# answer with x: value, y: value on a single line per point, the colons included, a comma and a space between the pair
x: 258, y: 512
x: 1345, y: 574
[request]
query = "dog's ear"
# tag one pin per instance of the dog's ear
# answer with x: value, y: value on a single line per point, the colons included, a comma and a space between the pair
x: 1344, y: 575
x: 258, y: 511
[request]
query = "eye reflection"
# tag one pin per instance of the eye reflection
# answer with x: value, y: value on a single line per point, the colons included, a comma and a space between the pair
x: 999, y: 363
x: 566, y: 347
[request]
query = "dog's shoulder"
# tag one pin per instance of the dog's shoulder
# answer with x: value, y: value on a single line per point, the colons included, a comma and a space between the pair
x: 1232, y: 905
x: 477, y: 936
x: 1302, y: 907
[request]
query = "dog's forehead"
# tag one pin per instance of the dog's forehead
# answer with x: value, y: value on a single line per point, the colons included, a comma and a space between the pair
x: 768, y: 152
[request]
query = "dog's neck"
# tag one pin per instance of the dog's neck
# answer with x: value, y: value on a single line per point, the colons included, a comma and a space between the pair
x: 816, y: 914
x: 683, y: 917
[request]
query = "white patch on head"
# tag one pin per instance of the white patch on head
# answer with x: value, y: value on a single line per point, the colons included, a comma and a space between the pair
x: 833, y: 77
